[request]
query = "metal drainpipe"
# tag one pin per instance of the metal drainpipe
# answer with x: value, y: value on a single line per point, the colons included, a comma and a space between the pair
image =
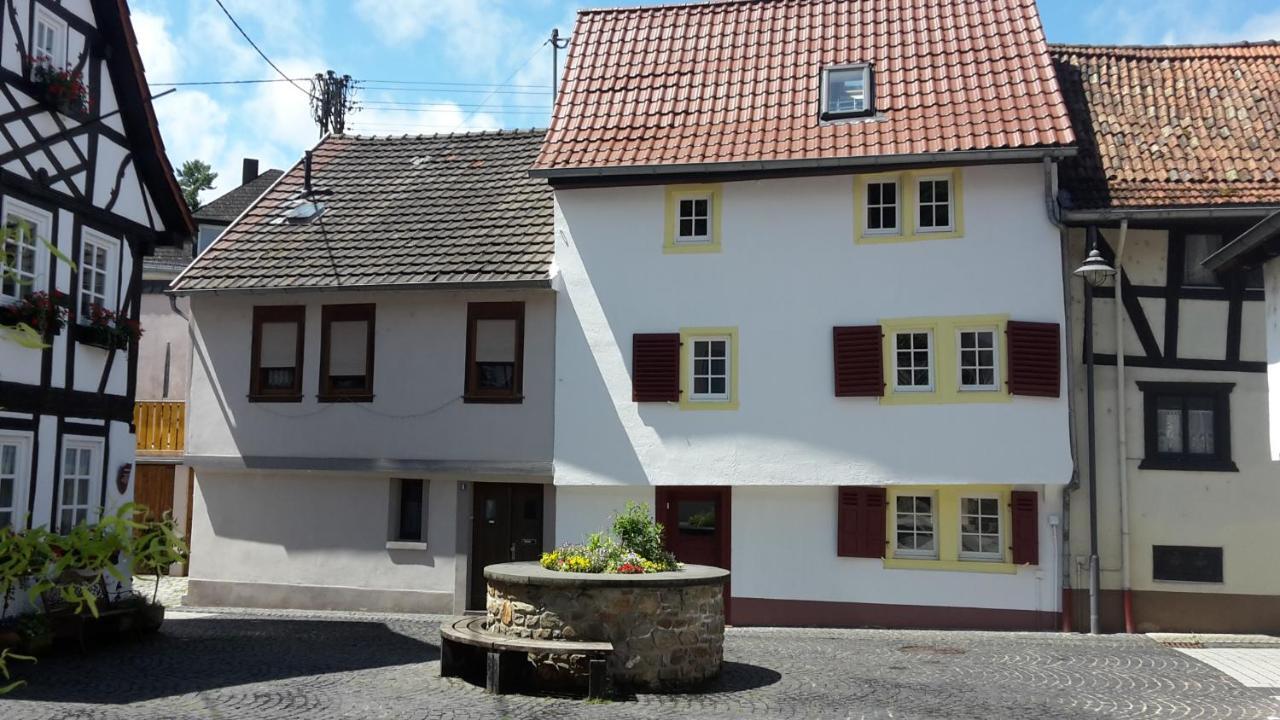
x: 1062, y: 531
x: 1122, y: 463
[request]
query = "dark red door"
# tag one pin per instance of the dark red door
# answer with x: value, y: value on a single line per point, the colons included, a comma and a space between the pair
x: 696, y: 525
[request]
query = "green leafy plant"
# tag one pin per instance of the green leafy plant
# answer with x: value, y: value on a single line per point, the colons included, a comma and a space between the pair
x: 5, y: 656
x: 638, y: 548
x: 156, y: 546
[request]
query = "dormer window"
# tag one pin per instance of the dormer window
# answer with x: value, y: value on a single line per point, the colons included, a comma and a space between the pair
x: 847, y: 92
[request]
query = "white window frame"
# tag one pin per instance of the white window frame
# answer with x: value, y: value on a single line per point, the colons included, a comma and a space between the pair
x: 997, y: 556
x: 933, y: 364
x: 995, y: 359
x: 725, y: 396
x: 868, y: 92
x: 707, y: 239
x: 91, y: 239
x: 914, y: 553
x: 897, y: 207
x: 58, y: 58
x: 91, y: 507
x: 41, y: 223
x: 22, y: 475
x: 950, y: 203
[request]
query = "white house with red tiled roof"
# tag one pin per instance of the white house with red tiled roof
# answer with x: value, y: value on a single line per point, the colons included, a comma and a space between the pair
x: 811, y: 302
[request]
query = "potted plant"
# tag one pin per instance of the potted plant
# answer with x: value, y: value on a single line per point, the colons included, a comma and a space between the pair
x: 107, y: 329
x: 46, y: 313
x: 62, y: 88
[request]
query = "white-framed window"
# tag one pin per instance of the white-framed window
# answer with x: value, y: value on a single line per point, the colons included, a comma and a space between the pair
x: 48, y: 41
x: 847, y: 91
x: 935, y: 212
x: 711, y: 368
x: 97, y: 273
x: 914, y: 526
x: 24, y: 257
x: 79, y: 483
x: 883, y: 201
x: 913, y: 360
x: 978, y: 368
x: 980, y: 531
x: 693, y: 220
x: 15, y: 458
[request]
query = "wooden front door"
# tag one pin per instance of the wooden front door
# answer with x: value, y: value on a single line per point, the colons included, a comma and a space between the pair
x: 153, y: 487
x: 696, y: 525
x: 506, y: 525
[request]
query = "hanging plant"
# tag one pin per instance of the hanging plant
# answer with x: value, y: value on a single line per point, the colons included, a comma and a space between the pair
x: 46, y: 313
x: 63, y: 88
x: 108, y: 329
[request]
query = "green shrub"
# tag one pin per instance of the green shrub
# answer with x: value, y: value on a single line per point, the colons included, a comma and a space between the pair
x: 638, y: 547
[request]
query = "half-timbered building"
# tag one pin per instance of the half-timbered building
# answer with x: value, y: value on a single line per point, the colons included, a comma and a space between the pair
x: 85, y: 192
x: 1178, y: 152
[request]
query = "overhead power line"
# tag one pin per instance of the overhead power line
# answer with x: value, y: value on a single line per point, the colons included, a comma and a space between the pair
x: 259, y: 50
x: 510, y: 77
x: 223, y: 82
x: 459, y: 84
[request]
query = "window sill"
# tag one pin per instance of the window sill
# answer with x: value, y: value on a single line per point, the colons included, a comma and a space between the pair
x: 494, y: 399
x: 917, y: 397
x: 975, y: 566
x: 690, y: 248
x: 872, y: 238
x: 344, y: 398
x: 686, y: 404
x: 405, y: 545
x: 275, y: 398
x: 1191, y: 465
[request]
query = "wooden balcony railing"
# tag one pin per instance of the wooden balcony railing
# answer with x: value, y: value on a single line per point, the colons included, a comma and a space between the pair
x: 161, y: 427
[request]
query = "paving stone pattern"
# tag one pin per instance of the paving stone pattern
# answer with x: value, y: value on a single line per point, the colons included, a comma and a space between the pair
x: 271, y: 664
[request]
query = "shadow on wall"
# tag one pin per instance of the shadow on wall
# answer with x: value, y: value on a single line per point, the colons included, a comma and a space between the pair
x: 200, y: 654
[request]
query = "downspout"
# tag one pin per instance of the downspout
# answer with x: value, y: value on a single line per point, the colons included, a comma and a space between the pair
x: 1122, y: 437
x: 1062, y: 530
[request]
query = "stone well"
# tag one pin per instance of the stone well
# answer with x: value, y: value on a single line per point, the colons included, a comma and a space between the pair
x: 667, y: 629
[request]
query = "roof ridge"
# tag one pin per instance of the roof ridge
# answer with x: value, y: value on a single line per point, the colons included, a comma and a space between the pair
x: 1133, y: 49
x: 437, y: 135
x: 675, y: 5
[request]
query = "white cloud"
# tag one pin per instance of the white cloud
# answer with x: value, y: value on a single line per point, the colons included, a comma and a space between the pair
x: 472, y: 33
x: 160, y: 55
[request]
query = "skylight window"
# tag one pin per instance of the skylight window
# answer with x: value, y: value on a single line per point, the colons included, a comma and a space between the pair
x: 847, y: 91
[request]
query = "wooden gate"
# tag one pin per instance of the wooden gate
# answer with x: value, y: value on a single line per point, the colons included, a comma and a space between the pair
x: 153, y: 487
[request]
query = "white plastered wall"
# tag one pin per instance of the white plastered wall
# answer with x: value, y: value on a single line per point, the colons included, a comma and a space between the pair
x: 1271, y: 274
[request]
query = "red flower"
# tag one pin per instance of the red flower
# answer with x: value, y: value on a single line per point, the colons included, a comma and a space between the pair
x: 630, y: 569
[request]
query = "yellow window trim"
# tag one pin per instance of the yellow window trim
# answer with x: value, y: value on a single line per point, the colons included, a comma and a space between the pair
x: 686, y: 368
x: 676, y: 193
x: 946, y: 529
x: 908, y: 213
x: 946, y: 360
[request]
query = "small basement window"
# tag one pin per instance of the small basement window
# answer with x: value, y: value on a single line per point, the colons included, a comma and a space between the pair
x: 1184, y: 563
x: 847, y: 92
x: 410, y: 504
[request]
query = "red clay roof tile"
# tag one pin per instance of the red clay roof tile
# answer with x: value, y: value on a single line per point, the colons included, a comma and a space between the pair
x: 738, y: 80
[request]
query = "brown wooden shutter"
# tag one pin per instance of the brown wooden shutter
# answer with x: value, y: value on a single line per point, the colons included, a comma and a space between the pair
x: 655, y: 367
x: 873, y: 520
x: 1026, y: 527
x: 860, y: 522
x: 1034, y: 354
x: 859, y: 361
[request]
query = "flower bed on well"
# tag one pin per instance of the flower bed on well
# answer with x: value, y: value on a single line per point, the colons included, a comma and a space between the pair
x: 633, y: 547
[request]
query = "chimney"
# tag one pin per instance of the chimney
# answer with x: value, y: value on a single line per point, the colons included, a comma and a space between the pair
x: 250, y: 171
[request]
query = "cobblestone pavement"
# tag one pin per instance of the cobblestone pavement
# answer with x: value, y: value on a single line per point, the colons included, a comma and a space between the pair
x: 171, y: 589
x: 268, y: 664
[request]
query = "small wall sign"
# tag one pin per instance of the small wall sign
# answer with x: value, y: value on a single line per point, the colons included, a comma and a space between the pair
x: 122, y: 478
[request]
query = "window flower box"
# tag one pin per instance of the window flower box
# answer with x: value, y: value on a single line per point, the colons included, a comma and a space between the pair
x: 60, y: 88
x: 44, y: 312
x: 108, y: 330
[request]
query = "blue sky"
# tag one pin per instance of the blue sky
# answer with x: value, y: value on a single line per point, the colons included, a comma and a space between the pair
x: 433, y: 65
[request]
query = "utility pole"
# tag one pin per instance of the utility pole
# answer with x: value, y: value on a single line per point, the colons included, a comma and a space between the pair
x: 332, y: 97
x: 557, y: 44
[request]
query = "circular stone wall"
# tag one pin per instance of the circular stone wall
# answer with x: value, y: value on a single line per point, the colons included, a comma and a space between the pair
x: 667, y: 629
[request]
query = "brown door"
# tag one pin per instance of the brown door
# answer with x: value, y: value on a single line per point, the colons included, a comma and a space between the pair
x: 695, y: 524
x: 154, y: 488
x: 506, y: 525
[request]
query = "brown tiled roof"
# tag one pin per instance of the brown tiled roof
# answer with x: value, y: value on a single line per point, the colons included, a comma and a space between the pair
x: 228, y: 206
x: 738, y: 81
x: 441, y: 209
x: 1172, y: 126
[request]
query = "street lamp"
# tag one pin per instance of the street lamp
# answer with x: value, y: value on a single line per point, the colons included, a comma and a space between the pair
x: 1096, y: 272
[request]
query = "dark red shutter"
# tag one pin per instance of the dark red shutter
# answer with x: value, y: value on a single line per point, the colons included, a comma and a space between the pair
x: 655, y: 367
x: 1026, y: 527
x: 859, y: 361
x: 860, y: 518
x: 873, y: 520
x: 1035, y: 358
